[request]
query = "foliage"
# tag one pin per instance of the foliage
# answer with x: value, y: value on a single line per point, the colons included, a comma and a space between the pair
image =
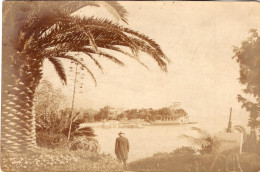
x: 84, y: 143
x: 248, y: 57
x: 146, y: 114
x: 89, y: 115
x: 250, y: 144
x: 152, y: 114
x: 52, y: 123
x: 51, y: 140
x: 59, y: 160
x: 55, y: 35
x: 75, y: 127
x: 58, y: 138
x: 171, y: 162
x: 207, y: 142
x: 184, y: 150
x: 102, y: 114
x: 131, y: 113
x: 240, y: 129
x: 48, y: 103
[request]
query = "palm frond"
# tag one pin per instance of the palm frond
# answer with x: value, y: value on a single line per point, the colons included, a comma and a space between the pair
x: 106, y: 24
x: 115, y: 9
x: 240, y: 129
x: 118, y: 11
x: 92, y: 42
x: 127, y: 54
x: 149, y: 41
x: 105, y: 32
x: 71, y: 7
x: 202, y: 132
x: 59, y: 69
x: 95, y: 61
x: 153, y: 53
x: 110, y: 57
x: 80, y: 63
x: 105, y: 28
x: 139, y: 41
x: 66, y: 33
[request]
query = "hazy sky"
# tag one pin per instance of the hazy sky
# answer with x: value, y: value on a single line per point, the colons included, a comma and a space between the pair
x: 198, y: 37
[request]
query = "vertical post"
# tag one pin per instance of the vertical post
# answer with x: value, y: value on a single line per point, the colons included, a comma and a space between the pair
x: 73, y: 97
x: 241, y: 143
x: 230, y: 122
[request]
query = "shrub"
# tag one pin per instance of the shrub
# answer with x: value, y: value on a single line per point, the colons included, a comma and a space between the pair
x: 207, y: 142
x: 84, y: 143
x: 76, y: 130
x: 58, y: 137
x: 50, y: 141
x: 184, y: 150
x: 57, y: 160
x: 197, y: 163
x: 251, y: 145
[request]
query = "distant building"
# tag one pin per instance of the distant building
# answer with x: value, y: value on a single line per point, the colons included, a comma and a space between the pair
x: 169, y: 120
x: 114, y: 112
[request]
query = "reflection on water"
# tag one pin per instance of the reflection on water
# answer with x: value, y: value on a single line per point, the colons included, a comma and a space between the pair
x: 144, y: 142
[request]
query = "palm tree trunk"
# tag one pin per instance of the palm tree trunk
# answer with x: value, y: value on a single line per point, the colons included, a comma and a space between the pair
x: 18, y: 117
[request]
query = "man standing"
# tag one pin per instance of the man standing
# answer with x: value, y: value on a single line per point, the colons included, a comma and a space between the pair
x: 122, y: 148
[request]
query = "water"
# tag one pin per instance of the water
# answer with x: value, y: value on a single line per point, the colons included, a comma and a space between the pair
x: 144, y: 142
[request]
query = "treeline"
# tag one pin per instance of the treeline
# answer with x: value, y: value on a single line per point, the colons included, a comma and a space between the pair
x: 108, y: 113
x: 50, y: 107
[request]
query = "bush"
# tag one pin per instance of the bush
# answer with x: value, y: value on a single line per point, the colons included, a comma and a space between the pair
x: 206, y: 149
x: 85, y: 143
x: 184, y: 150
x: 57, y: 137
x: 251, y: 145
x: 171, y: 162
x: 51, y: 141
x: 57, y: 160
x: 53, y: 124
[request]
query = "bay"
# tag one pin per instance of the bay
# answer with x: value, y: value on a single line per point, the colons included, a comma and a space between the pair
x: 144, y: 142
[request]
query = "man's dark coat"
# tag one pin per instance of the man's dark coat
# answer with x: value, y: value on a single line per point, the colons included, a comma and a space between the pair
x: 122, y: 148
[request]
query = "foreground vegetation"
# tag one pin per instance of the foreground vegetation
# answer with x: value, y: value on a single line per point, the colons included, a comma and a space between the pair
x: 206, y: 158
x: 59, y: 160
x: 55, y: 151
x: 189, y: 162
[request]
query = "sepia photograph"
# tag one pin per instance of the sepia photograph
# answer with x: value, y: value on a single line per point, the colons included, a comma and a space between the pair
x: 130, y: 86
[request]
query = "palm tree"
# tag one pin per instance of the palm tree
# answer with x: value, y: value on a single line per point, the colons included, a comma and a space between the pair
x: 207, y: 142
x: 240, y: 129
x: 35, y: 31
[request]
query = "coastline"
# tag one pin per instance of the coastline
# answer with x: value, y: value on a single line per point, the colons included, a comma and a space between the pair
x: 129, y: 124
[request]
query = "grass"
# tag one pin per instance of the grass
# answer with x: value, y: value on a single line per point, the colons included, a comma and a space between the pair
x: 169, y: 162
x: 183, y: 160
x: 55, y: 160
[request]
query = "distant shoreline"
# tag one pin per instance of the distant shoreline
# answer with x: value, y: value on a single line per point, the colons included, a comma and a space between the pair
x: 127, y: 124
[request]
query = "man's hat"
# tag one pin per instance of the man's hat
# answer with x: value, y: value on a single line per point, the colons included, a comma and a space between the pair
x: 121, y: 133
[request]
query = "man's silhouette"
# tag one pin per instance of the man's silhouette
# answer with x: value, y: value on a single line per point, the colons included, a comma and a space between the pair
x: 122, y: 148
